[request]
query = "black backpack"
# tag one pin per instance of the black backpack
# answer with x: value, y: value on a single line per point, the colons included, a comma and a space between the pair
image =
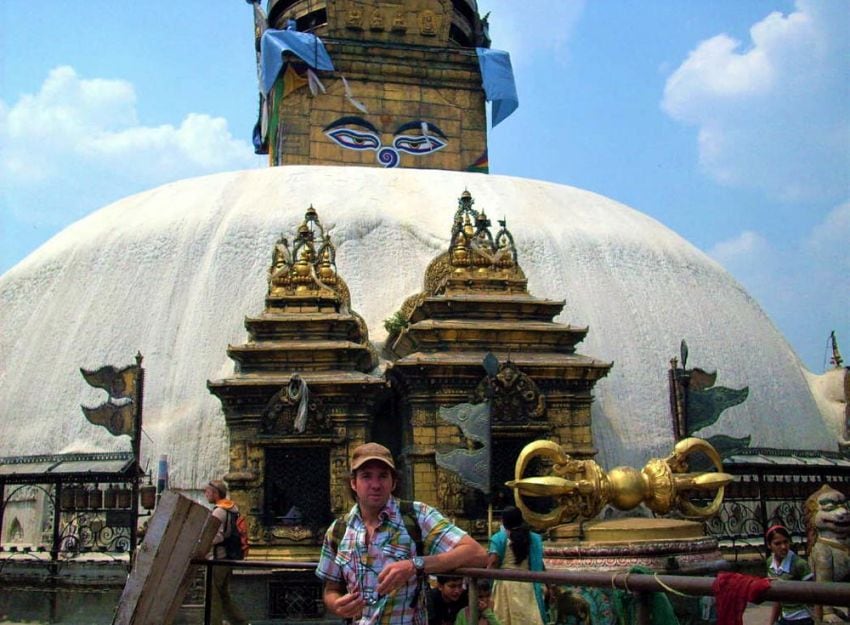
x: 233, y: 543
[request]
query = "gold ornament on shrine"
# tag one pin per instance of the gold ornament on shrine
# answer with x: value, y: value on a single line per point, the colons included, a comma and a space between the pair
x: 581, y: 488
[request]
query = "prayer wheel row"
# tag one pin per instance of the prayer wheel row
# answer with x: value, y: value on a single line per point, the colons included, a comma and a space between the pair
x: 79, y: 497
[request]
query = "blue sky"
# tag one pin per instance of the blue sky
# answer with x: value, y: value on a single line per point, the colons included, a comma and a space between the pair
x: 728, y: 121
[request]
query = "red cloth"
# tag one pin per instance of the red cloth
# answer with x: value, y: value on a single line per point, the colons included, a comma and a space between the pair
x: 733, y: 591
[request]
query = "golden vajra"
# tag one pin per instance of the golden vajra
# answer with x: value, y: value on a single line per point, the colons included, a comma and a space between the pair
x: 581, y: 488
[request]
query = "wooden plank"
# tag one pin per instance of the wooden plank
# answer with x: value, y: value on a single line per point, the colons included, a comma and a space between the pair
x: 172, y: 562
x: 174, y: 585
x: 145, y: 556
x: 178, y: 531
x: 201, y: 551
x: 160, y: 569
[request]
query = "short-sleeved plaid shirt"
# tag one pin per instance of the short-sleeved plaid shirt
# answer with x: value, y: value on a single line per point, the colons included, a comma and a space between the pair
x: 357, y: 566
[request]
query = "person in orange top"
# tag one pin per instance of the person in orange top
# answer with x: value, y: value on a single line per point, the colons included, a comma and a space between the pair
x: 222, y: 605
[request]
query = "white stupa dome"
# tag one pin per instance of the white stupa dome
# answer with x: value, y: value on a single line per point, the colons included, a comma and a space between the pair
x: 173, y: 271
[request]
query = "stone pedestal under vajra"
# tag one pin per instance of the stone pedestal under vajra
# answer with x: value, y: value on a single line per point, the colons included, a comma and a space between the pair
x: 666, y: 546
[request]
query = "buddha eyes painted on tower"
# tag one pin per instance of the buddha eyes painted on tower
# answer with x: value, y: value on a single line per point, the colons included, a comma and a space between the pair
x: 356, y: 133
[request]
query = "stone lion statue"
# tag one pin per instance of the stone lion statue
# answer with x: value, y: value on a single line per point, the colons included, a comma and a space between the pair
x: 828, y: 523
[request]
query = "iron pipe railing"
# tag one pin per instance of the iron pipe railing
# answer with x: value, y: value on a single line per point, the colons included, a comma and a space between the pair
x: 828, y: 593
x: 817, y: 593
x: 258, y: 564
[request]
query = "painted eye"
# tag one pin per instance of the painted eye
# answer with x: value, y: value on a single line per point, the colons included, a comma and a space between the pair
x: 354, y: 139
x: 418, y: 144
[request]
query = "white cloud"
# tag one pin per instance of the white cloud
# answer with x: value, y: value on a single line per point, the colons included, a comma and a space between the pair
x: 757, y: 265
x: 714, y: 70
x: 527, y: 30
x: 773, y: 115
x: 77, y: 143
x: 829, y: 241
x: 741, y: 248
x: 805, y: 288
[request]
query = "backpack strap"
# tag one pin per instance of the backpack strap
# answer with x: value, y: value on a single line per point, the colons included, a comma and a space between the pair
x: 229, y: 516
x: 338, y: 533
x: 408, y: 515
x: 224, y: 532
x: 223, y: 523
x: 411, y: 524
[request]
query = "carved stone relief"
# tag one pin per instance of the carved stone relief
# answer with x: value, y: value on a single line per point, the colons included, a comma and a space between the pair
x: 514, y: 397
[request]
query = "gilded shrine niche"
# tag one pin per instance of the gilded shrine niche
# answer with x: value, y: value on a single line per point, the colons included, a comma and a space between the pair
x: 302, y: 396
x: 474, y: 306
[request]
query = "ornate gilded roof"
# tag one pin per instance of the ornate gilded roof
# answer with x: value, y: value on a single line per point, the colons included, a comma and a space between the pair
x: 307, y: 325
x: 475, y: 297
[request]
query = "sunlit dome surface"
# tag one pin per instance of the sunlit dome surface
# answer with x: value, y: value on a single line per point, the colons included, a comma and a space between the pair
x: 173, y: 271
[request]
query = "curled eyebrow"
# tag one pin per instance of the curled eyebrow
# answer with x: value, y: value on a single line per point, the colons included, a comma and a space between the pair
x: 418, y: 125
x: 350, y: 121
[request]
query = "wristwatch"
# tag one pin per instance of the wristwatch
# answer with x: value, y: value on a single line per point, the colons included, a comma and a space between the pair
x: 419, y: 565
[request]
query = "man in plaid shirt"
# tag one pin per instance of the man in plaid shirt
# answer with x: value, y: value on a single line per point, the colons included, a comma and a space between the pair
x: 374, y: 574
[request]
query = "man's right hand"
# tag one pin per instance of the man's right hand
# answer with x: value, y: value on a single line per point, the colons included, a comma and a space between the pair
x: 348, y: 606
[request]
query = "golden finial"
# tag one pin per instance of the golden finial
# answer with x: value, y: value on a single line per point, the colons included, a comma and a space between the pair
x: 308, y: 265
x: 327, y: 269
x: 836, y: 360
x: 482, y: 226
x: 505, y: 249
x: 460, y: 253
x: 468, y: 230
x: 473, y: 247
x: 304, y: 232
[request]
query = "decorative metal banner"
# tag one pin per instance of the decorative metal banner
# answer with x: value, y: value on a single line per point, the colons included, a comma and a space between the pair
x: 119, y: 383
x: 696, y: 403
x: 471, y: 465
x: 117, y: 420
x: 121, y: 416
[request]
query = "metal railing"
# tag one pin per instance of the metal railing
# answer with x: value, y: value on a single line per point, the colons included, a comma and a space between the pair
x: 766, y: 494
x: 640, y: 585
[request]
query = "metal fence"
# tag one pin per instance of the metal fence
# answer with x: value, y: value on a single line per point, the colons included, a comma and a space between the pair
x: 638, y: 585
x: 65, y: 505
x: 767, y: 494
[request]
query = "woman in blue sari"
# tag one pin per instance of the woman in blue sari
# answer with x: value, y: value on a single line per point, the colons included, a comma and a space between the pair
x: 514, y: 546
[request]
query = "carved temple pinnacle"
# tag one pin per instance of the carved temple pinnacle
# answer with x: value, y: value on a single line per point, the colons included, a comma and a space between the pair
x: 308, y: 267
x: 473, y: 248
